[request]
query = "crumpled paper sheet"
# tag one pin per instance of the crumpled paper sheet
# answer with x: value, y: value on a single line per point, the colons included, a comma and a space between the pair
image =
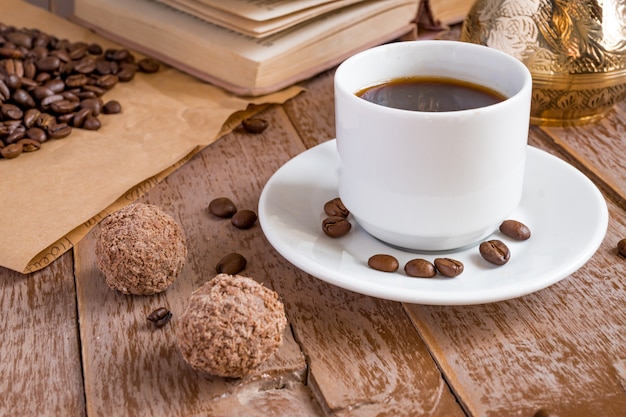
x: 51, y: 198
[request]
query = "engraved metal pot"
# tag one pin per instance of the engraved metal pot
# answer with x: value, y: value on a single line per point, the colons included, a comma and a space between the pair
x: 575, y: 51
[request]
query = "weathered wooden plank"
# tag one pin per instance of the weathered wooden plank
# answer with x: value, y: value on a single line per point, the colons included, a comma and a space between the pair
x: 313, y: 113
x: 364, y: 355
x: 134, y: 370
x: 560, y: 349
x: 40, y: 370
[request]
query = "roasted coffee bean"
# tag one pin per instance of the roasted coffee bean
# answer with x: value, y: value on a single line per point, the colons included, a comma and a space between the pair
x: 621, y: 247
x: 70, y: 95
x: 50, y: 63
x: 30, y: 117
x: 449, y: 267
x: 222, y: 207
x: 13, y: 81
x: 11, y: 151
x: 58, y: 130
x: 515, y: 230
x: 30, y: 71
x: 94, y: 104
x: 76, y: 80
x: 11, y: 111
x: 40, y: 92
x: 107, y: 81
x: 11, y: 53
x: 254, y: 125
x: 86, y: 65
x: 77, y: 50
x: 14, y: 67
x: 495, y: 251
x: 148, y: 65
x: 63, y: 106
x: 37, y: 134
x: 112, y: 107
x: 39, y: 52
x: 78, y: 119
x: 335, y: 207
x: 336, y: 226
x: 119, y: 55
x: 231, y: 264
x: 92, y: 123
x: 23, y: 99
x: 126, y: 74
x: 105, y: 67
x: 66, y: 118
x: 16, y: 134
x: 383, y: 262
x: 47, y: 101
x: 29, y: 145
x: 57, y: 85
x: 94, y: 49
x: 20, y: 39
x: 160, y: 316
x: 420, y: 268
x: 44, y: 120
x: 244, y: 219
x: 98, y: 91
x: 5, y: 93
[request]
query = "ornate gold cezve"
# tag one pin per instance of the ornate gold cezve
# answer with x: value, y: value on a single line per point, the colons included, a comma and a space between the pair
x: 575, y: 51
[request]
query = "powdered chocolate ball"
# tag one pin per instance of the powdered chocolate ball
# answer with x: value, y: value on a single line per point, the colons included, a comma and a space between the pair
x: 231, y: 325
x: 141, y: 249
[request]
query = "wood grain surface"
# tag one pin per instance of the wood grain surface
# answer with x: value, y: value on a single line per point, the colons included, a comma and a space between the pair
x: 71, y: 346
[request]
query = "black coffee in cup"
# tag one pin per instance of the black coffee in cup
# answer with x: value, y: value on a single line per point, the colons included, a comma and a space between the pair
x: 430, y: 94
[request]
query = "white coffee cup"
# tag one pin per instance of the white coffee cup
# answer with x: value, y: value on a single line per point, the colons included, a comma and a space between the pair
x: 432, y: 180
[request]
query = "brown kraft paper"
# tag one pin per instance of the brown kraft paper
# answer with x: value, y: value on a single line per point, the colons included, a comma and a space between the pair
x: 53, y: 197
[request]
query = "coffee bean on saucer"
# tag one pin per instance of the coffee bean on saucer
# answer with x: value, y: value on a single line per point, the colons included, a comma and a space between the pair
x: 383, y: 262
x: 420, y: 268
x: 449, y: 267
x: 335, y: 207
x: 515, y: 230
x: 231, y: 264
x: 244, y: 219
x: 336, y: 226
x: 621, y: 247
x: 222, y: 207
x: 255, y: 125
x: 495, y: 251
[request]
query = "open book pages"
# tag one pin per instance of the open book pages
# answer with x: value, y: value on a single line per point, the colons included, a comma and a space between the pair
x: 239, y: 63
x: 257, y: 18
x: 449, y: 12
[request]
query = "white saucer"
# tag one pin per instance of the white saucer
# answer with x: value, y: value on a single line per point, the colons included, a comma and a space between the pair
x: 564, y: 210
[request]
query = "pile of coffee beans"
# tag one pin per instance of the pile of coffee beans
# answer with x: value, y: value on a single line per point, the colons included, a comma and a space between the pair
x: 49, y: 86
x: 493, y: 251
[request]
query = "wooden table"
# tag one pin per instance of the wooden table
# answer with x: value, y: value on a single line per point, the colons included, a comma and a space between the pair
x: 70, y: 346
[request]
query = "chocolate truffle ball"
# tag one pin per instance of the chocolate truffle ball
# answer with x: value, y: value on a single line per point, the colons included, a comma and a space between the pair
x: 141, y: 249
x: 231, y: 325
